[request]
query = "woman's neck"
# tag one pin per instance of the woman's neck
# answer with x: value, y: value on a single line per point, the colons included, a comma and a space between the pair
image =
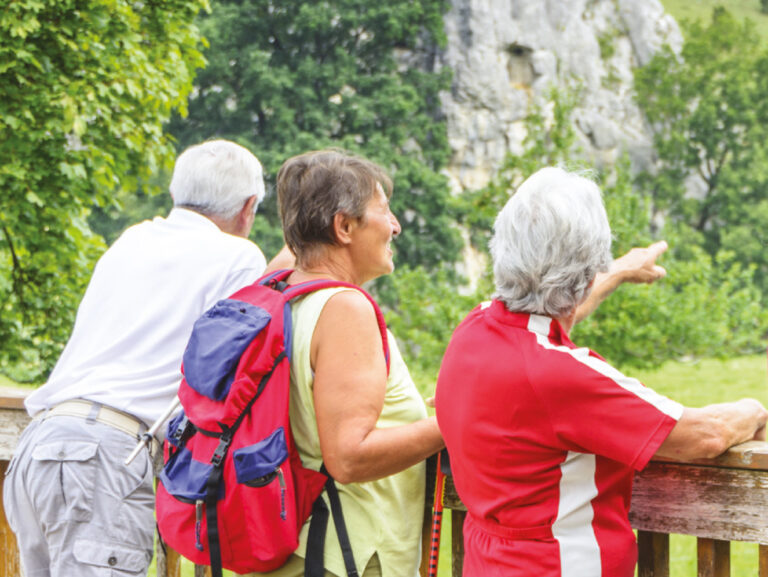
x: 567, y: 322
x: 328, y: 268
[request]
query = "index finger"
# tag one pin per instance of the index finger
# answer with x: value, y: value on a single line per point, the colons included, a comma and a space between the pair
x: 658, y: 248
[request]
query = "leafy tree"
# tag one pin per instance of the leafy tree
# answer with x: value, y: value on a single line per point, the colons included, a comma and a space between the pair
x: 429, y: 306
x: 84, y: 90
x: 290, y: 76
x: 710, y: 117
x: 707, y: 306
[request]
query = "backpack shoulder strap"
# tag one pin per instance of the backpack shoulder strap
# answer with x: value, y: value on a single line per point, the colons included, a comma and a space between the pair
x: 297, y: 290
x: 275, y: 277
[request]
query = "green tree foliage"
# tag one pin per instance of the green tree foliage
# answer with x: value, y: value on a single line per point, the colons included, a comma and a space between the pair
x: 290, y: 76
x: 708, y: 109
x: 707, y: 306
x: 429, y: 306
x: 84, y: 90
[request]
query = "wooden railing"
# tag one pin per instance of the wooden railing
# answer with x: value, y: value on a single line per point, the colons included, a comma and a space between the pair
x: 718, y: 501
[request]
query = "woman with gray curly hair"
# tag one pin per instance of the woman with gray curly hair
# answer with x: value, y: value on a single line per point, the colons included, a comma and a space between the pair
x: 545, y: 436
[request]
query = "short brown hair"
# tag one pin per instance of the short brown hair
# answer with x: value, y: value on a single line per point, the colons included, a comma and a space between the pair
x: 315, y: 186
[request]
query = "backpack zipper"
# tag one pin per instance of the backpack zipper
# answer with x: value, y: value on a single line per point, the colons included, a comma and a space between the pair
x: 281, y: 479
x: 198, y: 523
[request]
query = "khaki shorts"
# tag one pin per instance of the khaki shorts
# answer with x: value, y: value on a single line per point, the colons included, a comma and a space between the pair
x: 76, y: 509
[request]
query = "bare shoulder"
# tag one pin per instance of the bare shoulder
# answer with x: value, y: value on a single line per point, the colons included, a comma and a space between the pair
x: 346, y: 331
x: 349, y: 303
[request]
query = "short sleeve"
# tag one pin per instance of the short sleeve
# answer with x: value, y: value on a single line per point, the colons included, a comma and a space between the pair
x: 594, y: 408
x: 250, y: 268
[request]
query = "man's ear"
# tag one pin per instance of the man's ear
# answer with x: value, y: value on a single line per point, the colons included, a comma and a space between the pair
x: 242, y: 223
x: 343, y: 225
x: 248, y: 207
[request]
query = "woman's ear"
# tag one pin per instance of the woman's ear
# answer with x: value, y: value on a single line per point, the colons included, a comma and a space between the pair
x: 343, y: 225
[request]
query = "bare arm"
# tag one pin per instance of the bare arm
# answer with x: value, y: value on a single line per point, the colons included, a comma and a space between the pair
x: 708, y: 432
x: 637, y: 266
x: 349, y: 387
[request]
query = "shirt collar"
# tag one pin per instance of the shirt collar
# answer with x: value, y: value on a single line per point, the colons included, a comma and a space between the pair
x: 539, y: 324
x: 190, y: 217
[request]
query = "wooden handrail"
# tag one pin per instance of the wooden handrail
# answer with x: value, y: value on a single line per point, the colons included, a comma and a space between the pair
x: 716, y: 500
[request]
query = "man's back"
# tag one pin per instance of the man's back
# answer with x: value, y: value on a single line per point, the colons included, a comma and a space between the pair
x: 134, y: 321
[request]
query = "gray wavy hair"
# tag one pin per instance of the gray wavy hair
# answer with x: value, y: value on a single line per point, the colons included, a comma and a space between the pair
x: 215, y: 178
x: 549, y: 242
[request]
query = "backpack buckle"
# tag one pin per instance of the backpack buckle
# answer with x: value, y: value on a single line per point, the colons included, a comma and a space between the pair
x: 182, y: 432
x: 221, y: 450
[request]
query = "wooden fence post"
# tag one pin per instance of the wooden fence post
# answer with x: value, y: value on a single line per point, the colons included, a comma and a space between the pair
x: 9, y: 552
x: 714, y: 557
x: 457, y: 541
x: 653, y: 554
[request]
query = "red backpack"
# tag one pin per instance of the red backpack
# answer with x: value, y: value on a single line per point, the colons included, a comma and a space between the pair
x: 233, y: 492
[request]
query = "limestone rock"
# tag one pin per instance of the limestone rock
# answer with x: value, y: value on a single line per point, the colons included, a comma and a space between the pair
x: 506, y: 53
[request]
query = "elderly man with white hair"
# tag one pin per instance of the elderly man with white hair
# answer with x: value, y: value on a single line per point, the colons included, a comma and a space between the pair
x: 545, y: 436
x: 75, y: 507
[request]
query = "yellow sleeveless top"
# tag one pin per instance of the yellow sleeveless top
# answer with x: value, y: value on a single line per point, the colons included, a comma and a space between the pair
x: 383, y: 516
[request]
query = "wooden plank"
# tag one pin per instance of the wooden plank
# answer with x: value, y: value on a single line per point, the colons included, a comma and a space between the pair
x: 763, y: 561
x: 9, y: 552
x: 653, y: 554
x: 13, y: 398
x: 451, y: 497
x: 750, y: 455
x: 457, y: 542
x: 426, y: 540
x: 172, y: 563
x: 12, y: 423
x: 708, y: 502
x: 714, y: 558
x: 431, y: 475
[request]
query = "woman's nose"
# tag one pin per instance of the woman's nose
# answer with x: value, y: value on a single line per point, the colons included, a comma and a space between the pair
x: 396, y: 228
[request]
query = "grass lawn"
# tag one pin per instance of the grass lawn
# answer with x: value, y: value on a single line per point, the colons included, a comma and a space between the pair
x: 702, y: 10
x: 6, y: 382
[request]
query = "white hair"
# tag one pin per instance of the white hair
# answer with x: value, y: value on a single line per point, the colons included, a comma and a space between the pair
x: 549, y: 242
x: 216, y: 178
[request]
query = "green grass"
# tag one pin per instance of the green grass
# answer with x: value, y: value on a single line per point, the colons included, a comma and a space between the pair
x: 6, y: 382
x: 709, y: 381
x: 702, y: 10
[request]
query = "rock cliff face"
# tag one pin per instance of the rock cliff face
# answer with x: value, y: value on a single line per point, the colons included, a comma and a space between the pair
x: 507, y: 53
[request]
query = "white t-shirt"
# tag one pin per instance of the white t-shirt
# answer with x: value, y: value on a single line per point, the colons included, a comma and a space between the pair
x: 134, y: 321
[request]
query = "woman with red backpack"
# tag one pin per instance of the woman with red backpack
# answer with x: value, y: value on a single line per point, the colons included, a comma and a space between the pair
x: 369, y: 427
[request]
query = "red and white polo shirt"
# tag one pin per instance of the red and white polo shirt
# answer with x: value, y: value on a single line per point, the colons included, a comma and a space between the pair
x: 544, y: 438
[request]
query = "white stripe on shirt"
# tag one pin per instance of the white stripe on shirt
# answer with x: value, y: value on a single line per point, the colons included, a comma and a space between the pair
x: 579, y: 551
x: 540, y: 326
